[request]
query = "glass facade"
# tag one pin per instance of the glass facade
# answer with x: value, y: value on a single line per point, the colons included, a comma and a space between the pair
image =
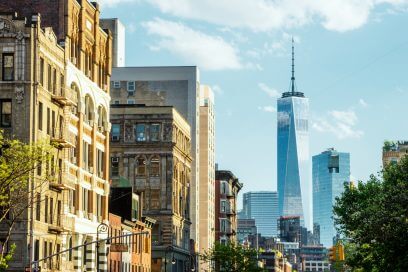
x: 331, y: 169
x: 294, y: 186
x: 263, y: 207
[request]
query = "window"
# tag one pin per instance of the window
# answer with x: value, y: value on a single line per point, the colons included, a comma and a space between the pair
x: 116, y: 84
x: 131, y: 87
x: 48, y: 121
x: 141, y: 167
x: 99, y: 207
x: 38, y: 207
x: 8, y: 67
x: 155, y: 132
x: 116, y: 102
x: 100, y: 163
x: 140, y: 132
x: 5, y: 109
x: 40, y: 116
x: 46, y: 210
x: 42, y: 71
x: 115, y: 166
x: 155, y: 166
x: 51, y: 210
x: 131, y: 101
x: 115, y: 132
x: 49, y: 77
x: 36, y: 250
x: 135, y: 209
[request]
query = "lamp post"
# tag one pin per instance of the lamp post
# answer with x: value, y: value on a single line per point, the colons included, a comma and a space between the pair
x: 173, y: 261
x: 102, y: 228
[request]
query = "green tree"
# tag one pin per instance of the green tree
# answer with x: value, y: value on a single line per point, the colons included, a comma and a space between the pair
x: 373, y: 216
x: 18, y: 162
x: 232, y: 257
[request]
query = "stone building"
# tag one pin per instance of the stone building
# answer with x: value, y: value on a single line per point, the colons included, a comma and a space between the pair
x: 56, y: 63
x: 394, y: 151
x: 207, y: 171
x: 227, y: 187
x: 150, y: 147
x: 177, y: 86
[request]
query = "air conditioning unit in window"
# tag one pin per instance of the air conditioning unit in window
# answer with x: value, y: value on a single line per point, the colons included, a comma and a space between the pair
x: 115, y: 138
x: 115, y: 159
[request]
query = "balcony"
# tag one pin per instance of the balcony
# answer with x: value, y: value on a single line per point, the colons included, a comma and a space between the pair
x: 55, y: 182
x: 64, y: 97
x: 61, y: 138
x: 63, y: 224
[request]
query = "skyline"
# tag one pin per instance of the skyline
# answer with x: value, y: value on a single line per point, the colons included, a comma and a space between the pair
x: 260, y: 71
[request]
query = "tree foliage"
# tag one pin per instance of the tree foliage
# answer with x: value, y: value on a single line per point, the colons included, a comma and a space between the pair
x: 232, y: 257
x: 373, y: 216
x: 18, y: 162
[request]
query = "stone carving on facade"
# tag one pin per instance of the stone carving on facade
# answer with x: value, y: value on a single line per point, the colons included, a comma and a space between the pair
x: 128, y: 132
x: 167, y: 132
x: 19, y: 92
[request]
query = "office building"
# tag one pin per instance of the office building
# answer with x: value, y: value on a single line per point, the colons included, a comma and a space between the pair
x: 263, y: 207
x: 150, y: 147
x: 227, y: 187
x: 167, y: 86
x: 331, y: 169
x: 118, y: 40
x: 294, y: 186
x: 246, y: 228
x: 56, y: 66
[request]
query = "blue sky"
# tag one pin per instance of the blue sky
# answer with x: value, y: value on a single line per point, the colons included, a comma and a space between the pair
x: 351, y: 62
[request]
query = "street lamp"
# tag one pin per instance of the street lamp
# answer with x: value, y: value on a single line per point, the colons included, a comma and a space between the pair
x: 102, y: 228
x: 173, y: 261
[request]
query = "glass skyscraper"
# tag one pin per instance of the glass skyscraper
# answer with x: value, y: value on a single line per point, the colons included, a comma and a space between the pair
x: 331, y: 169
x: 263, y: 207
x: 294, y: 186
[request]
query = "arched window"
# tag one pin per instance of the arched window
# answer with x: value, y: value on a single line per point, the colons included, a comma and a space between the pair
x: 155, y: 166
x: 74, y: 97
x: 102, y: 120
x: 89, y: 108
x: 141, y: 167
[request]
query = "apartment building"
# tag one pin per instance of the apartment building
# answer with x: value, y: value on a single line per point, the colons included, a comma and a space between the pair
x: 150, y: 147
x: 56, y: 64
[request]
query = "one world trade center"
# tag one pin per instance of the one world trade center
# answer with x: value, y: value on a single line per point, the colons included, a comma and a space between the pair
x: 294, y: 187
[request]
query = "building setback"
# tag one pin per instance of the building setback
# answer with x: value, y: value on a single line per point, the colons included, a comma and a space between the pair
x: 263, y: 207
x: 150, y: 147
x: 294, y: 186
x: 227, y: 187
x: 331, y: 170
x: 56, y: 67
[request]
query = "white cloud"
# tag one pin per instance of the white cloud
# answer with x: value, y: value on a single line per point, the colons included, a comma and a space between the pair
x: 217, y: 89
x: 267, y: 108
x: 340, y: 123
x: 363, y: 103
x: 268, y: 90
x: 265, y: 15
x: 197, y: 48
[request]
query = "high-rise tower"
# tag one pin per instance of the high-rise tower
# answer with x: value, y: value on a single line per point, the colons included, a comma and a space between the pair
x: 294, y: 188
x: 331, y: 169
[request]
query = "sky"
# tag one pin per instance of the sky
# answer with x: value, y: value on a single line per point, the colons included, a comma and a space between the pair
x: 351, y: 61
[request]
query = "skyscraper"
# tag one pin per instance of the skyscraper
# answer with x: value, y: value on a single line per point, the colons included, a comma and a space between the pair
x: 330, y: 170
x: 294, y: 188
x: 263, y: 207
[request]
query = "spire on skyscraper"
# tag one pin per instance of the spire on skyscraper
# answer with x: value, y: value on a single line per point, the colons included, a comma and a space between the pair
x: 292, y: 80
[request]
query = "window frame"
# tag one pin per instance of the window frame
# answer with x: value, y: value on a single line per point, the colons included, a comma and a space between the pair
x: 3, y: 101
x: 4, y: 67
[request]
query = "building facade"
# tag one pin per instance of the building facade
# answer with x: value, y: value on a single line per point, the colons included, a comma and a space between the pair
x: 132, y: 252
x: 227, y: 187
x: 150, y: 147
x: 263, y: 207
x: 207, y: 170
x: 331, y: 170
x: 167, y: 86
x: 55, y: 74
x: 394, y: 151
x: 294, y: 186
x: 246, y: 228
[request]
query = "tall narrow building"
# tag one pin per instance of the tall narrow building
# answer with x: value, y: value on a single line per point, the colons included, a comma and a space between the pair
x: 294, y: 188
x: 331, y: 169
x: 207, y: 171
